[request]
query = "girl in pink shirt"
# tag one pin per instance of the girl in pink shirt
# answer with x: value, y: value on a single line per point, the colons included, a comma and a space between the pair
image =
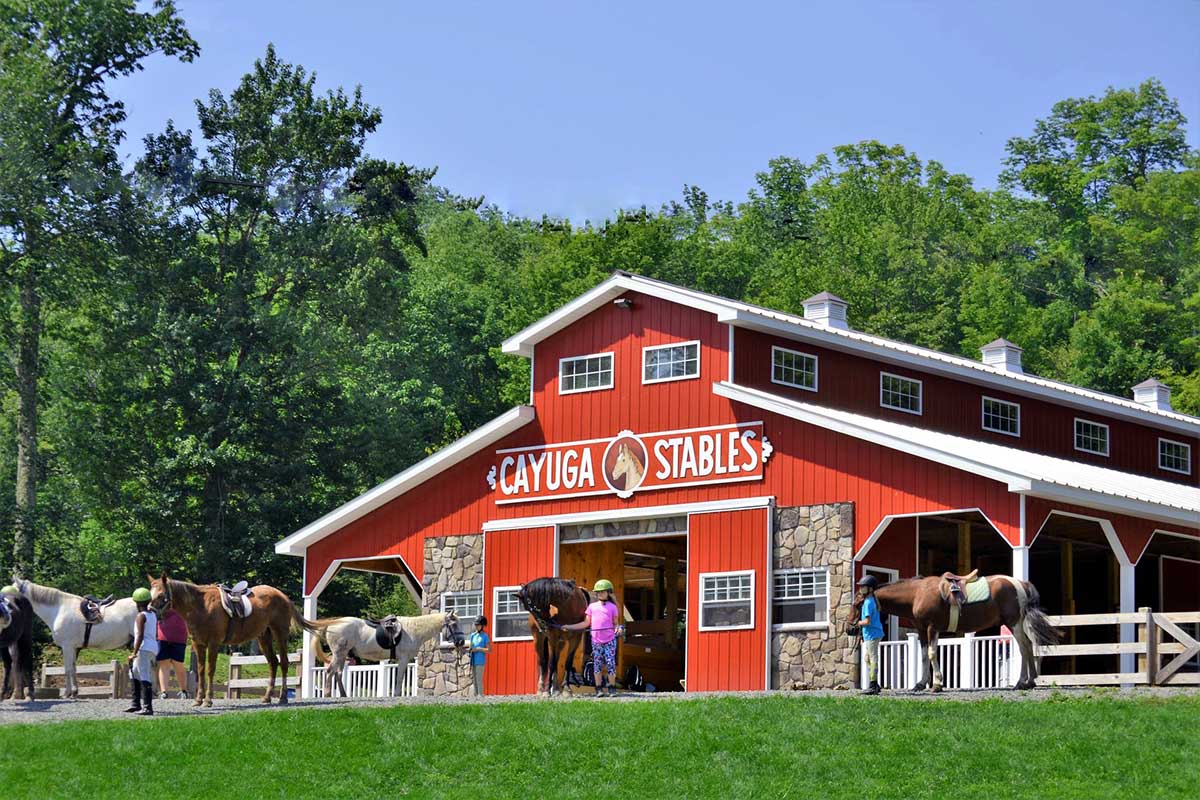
x: 602, y: 618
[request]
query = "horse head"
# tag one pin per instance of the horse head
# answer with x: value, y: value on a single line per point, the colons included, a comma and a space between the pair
x: 453, y: 632
x: 160, y: 591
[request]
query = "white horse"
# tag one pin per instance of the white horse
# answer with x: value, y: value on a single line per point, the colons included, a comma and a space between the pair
x: 391, y: 637
x: 63, y: 614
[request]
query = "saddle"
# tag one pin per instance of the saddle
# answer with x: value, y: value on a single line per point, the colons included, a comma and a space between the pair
x: 92, y: 608
x: 388, y: 633
x: 236, y: 599
x: 961, y: 590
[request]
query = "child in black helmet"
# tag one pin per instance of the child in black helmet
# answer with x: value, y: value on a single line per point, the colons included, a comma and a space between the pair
x: 479, y: 650
x: 871, y: 626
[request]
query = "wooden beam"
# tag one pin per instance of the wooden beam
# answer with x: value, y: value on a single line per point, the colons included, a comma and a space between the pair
x: 964, y: 547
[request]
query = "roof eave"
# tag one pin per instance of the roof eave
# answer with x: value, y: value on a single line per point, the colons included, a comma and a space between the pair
x: 1156, y: 512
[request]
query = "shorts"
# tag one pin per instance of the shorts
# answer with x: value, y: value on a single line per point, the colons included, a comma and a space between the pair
x: 172, y: 651
x: 605, y: 655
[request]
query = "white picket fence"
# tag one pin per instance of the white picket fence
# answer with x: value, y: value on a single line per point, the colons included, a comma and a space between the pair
x: 970, y: 662
x: 370, y: 680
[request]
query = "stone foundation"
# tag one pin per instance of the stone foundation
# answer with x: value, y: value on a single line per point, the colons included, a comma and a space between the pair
x: 817, y: 536
x: 452, y: 564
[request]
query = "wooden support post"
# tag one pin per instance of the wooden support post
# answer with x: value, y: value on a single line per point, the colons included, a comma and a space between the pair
x: 114, y: 682
x: 964, y: 548
x: 671, y: 578
x: 1148, y: 633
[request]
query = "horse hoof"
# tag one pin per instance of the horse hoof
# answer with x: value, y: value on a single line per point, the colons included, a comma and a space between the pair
x: 266, y: 701
x: 936, y: 688
x: 920, y: 687
x: 208, y: 703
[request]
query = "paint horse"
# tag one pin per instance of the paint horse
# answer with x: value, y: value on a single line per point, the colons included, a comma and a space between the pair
x: 552, y: 603
x: 628, y: 465
x: 16, y: 645
x: 930, y: 604
x: 78, y: 622
x: 211, y: 627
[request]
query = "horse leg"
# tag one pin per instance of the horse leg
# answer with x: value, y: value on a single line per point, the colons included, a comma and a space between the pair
x: 268, y: 649
x: 212, y: 671
x: 338, y: 663
x: 281, y: 637
x: 933, y: 661
x: 924, y: 670
x: 1028, y: 677
x: 543, y: 657
x: 201, y: 671
x: 70, y: 682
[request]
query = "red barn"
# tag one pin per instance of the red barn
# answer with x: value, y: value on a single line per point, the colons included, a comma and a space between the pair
x: 734, y: 469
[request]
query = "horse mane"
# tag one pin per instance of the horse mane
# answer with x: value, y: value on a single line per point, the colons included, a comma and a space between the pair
x: 424, y: 626
x: 544, y: 592
x: 48, y: 595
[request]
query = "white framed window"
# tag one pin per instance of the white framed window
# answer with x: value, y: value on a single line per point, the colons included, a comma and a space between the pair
x: 467, y: 605
x: 793, y: 368
x: 585, y: 373
x: 1175, y: 456
x: 726, y: 601
x: 1091, y: 437
x: 800, y: 599
x: 899, y: 393
x: 510, y: 622
x: 1001, y: 416
x: 671, y: 362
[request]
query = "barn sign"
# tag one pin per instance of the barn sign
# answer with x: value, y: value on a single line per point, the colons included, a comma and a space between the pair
x: 630, y: 462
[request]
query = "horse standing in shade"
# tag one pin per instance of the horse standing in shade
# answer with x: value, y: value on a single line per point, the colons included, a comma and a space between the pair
x: 927, y: 602
x: 77, y: 622
x: 16, y: 645
x: 397, y: 638
x: 269, y: 621
x: 552, y: 603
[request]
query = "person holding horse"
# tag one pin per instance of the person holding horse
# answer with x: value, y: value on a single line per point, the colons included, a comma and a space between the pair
x: 601, y: 618
x: 871, y: 627
x: 145, y: 648
x: 479, y: 649
x: 172, y: 651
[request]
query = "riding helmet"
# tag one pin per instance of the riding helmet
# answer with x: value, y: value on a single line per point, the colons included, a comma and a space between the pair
x: 9, y: 590
x: 141, y: 595
x: 481, y: 620
x: 869, y: 581
x: 603, y: 585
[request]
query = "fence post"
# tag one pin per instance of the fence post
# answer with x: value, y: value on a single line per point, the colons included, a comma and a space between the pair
x: 966, y: 662
x: 114, y: 685
x: 1149, y: 634
x: 914, y: 660
x: 381, y: 680
x: 235, y: 672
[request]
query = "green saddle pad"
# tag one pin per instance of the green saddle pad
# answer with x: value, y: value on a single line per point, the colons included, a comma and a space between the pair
x: 978, y: 591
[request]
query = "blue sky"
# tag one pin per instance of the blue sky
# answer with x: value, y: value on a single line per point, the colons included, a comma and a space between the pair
x: 576, y: 109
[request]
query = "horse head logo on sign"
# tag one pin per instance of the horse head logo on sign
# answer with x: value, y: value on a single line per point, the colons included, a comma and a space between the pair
x: 625, y: 464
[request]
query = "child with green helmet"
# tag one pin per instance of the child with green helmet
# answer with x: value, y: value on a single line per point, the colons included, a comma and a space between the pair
x: 602, y: 619
x: 141, y: 660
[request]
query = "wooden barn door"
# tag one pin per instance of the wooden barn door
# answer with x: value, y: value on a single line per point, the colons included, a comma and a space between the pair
x: 511, y: 558
x: 728, y: 547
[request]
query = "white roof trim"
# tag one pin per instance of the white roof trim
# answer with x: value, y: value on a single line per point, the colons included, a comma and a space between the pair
x: 1023, y: 471
x: 767, y: 320
x: 365, y: 503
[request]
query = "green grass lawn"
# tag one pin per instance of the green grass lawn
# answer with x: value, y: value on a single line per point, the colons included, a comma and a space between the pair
x: 728, y: 747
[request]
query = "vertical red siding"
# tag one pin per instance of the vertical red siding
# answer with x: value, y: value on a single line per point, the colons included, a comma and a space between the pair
x: 725, y: 542
x: 896, y: 548
x: 511, y: 558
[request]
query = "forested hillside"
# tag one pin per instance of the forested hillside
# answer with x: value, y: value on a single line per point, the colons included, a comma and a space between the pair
x: 258, y: 320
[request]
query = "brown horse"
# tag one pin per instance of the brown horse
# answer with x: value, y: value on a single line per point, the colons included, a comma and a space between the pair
x: 269, y: 621
x: 552, y: 603
x: 1013, y: 602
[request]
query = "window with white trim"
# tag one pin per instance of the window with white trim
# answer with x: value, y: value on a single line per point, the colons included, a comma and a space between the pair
x: 1175, y: 456
x: 585, y: 373
x: 466, y: 605
x: 509, y: 619
x: 899, y: 393
x: 793, y: 368
x: 1091, y: 437
x: 1001, y: 416
x: 726, y: 600
x: 800, y: 597
x: 671, y: 362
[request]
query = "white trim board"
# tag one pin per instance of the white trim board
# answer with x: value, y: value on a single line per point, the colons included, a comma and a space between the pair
x: 410, y: 478
x: 617, y: 515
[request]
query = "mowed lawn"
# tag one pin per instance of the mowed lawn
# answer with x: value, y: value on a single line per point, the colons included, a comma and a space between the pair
x: 721, y: 747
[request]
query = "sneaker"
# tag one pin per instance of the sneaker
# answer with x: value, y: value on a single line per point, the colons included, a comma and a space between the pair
x: 183, y: 695
x: 162, y: 695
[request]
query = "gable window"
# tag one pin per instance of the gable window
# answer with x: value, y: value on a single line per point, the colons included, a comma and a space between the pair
x: 509, y: 620
x: 800, y: 597
x: 1091, y: 437
x: 899, y: 393
x: 793, y: 368
x: 467, y: 605
x: 585, y: 373
x: 1175, y: 456
x: 726, y: 601
x: 671, y: 362
x: 1000, y: 416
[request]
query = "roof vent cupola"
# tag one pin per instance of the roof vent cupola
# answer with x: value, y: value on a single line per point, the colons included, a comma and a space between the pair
x: 1153, y: 394
x: 826, y: 309
x: 1003, y: 355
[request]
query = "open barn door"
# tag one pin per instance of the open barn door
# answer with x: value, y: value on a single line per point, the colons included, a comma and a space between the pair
x: 510, y: 559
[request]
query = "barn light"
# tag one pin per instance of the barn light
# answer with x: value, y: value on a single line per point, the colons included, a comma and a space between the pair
x: 623, y: 303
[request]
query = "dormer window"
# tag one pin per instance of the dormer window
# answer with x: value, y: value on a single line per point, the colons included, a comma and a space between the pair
x: 1175, y: 456
x: 899, y: 393
x: 1091, y: 437
x: 671, y: 362
x: 585, y: 373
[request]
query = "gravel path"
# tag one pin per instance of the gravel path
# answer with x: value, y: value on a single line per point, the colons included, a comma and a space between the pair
x: 44, y: 711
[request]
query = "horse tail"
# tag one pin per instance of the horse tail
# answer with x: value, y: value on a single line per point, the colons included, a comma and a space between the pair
x: 315, y: 627
x: 1037, y: 625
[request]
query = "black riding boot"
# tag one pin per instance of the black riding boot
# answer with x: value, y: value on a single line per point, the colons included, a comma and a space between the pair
x: 872, y: 689
x: 137, y: 697
x: 147, y: 699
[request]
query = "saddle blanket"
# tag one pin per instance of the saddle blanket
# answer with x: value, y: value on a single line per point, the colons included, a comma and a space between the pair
x: 978, y: 591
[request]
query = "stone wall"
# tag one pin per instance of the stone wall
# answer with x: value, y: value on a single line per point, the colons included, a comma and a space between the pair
x: 452, y: 564
x: 817, y: 536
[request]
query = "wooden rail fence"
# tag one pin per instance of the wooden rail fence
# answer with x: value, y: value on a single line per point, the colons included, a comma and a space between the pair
x: 1149, y: 644
x: 236, y: 683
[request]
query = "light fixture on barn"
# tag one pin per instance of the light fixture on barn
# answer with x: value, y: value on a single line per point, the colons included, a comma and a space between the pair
x: 623, y: 303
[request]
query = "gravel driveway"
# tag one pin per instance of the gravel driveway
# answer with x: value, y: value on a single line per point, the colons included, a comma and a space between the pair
x: 71, y: 710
